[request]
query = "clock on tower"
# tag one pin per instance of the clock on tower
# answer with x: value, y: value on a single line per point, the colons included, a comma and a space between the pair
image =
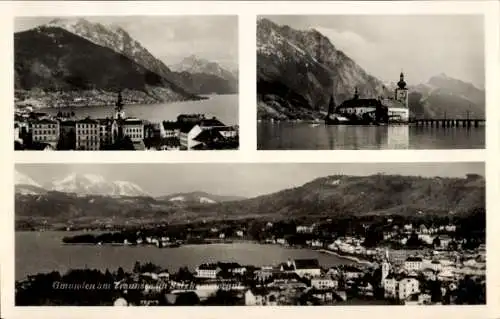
x: 402, y: 91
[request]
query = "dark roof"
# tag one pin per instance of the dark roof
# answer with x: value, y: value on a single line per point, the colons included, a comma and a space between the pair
x: 168, y: 125
x: 306, y: 264
x: 260, y: 291
x: 351, y: 268
x: 88, y: 121
x: 45, y: 121
x: 211, y: 122
x: 226, y: 128
x: 208, y: 135
x: 187, y: 126
x: 414, y: 259
x: 286, y: 267
x: 68, y: 123
x: 228, y: 265
x: 360, y: 103
x: 207, y: 266
x: 133, y: 122
x: 104, y: 121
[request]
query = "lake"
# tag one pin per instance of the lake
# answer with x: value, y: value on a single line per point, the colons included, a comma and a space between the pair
x: 44, y: 252
x: 304, y: 136
x: 224, y: 107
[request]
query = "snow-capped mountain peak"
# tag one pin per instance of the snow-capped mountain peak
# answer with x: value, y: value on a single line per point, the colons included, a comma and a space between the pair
x: 92, y: 184
x: 25, y: 185
x: 22, y: 179
x: 206, y: 200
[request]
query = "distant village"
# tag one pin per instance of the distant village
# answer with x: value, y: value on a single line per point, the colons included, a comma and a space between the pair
x: 40, y: 131
x: 434, y: 266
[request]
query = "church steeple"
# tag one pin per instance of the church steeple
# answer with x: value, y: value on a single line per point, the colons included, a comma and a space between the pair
x: 119, y: 113
x: 402, y: 83
x: 331, y: 106
x: 356, y: 93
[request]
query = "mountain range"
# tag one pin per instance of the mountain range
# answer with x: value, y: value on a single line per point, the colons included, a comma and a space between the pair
x: 330, y: 196
x: 70, y: 59
x: 83, y: 185
x: 205, y: 77
x: 298, y: 71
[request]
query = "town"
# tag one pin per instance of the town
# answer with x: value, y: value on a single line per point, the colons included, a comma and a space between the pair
x: 391, y: 262
x: 64, y: 131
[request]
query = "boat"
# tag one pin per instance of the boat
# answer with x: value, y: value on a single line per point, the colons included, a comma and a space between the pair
x: 314, y: 125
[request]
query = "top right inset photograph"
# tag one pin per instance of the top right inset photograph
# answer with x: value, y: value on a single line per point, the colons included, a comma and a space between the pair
x: 370, y: 82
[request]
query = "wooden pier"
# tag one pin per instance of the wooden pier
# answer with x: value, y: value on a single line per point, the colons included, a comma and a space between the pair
x: 448, y: 122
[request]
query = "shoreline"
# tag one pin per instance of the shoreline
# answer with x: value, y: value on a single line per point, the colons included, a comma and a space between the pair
x: 352, y: 258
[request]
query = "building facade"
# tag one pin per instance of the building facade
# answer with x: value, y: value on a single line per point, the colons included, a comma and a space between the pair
x: 46, y: 131
x: 87, y: 135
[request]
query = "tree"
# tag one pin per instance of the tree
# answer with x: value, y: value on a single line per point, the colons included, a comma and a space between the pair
x: 413, y: 241
x: 137, y: 267
x: 373, y: 236
x: 120, y: 274
x: 187, y: 299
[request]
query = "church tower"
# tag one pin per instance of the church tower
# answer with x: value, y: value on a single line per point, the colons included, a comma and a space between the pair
x: 119, y: 112
x: 401, y: 93
x: 386, y: 268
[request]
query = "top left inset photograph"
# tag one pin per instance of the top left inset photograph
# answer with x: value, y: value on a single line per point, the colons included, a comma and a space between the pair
x: 126, y: 83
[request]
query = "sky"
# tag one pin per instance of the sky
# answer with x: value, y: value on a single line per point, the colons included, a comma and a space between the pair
x: 236, y: 179
x: 171, y: 38
x: 422, y: 46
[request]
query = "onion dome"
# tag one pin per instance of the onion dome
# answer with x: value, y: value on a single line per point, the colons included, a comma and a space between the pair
x: 402, y: 83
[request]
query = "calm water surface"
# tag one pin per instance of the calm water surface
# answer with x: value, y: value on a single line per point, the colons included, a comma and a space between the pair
x: 304, y: 136
x: 224, y: 107
x: 43, y: 252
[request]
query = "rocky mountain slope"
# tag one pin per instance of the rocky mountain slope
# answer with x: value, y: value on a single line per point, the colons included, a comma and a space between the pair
x: 204, y: 77
x: 63, y: 61
x: 332, y: 196
x: 443, y: 95
x: 298, y: 70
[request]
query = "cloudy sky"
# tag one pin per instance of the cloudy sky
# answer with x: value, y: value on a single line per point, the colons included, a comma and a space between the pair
x: 171, y: 38
x: 423, y: 46
x: 236, y: 179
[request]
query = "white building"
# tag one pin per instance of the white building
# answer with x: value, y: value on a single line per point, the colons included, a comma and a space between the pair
x: 324, y: 283
x: 413, y: 264
x: 209, y: 271
x: 260, y: 297
x: 133, y: 128
x: 304, y: 229
x: 408, y: 287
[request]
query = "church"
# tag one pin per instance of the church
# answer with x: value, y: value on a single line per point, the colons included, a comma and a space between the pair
x: 126, y: 126
x: 392, y: 109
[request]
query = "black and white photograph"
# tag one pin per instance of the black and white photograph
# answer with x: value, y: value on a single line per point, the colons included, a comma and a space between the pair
x: 368, y: 82
x: 250, y: 234
x: 126, y: 83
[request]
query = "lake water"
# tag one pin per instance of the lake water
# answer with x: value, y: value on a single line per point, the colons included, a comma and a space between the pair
x: 304, y: 136
x: 44, y: 252
x: 224, y: 107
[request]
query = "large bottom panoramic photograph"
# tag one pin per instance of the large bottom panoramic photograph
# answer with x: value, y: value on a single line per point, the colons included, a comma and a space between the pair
x: 250, y: 234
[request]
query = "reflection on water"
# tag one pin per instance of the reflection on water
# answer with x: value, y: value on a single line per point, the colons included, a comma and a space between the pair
x: 303, y: 136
